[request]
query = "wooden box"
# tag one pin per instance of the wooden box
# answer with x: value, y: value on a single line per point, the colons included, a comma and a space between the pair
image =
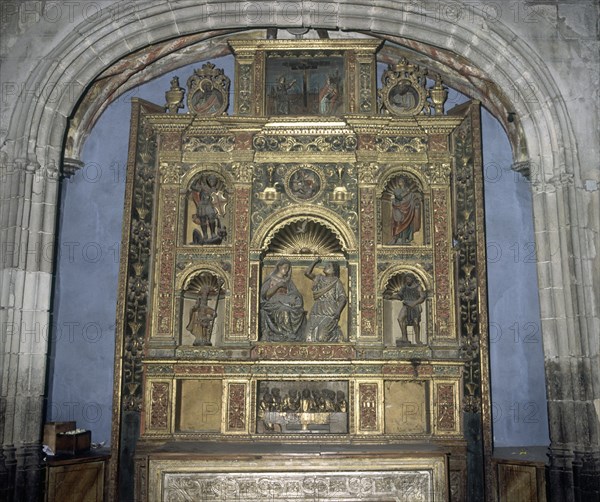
x: 73, y: 443
x: 51, y: 429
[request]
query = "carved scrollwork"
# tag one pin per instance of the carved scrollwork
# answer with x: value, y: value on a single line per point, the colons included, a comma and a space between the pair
x: 403, y: 92
x: 220, y: 143
x: 243, y: 171
x: 466, y: 255
x: 169, y: 173
x: 400, y: 144
x: 308, y: 143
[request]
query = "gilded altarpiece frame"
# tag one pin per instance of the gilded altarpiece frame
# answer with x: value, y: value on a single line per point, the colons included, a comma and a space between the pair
x: 383, y: 201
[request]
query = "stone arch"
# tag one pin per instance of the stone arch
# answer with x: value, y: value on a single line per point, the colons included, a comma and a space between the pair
x: 36, y: 131
x: 36, y: 135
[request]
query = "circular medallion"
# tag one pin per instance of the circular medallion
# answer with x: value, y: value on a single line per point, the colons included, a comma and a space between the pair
x: 304, y: 184
x: 207, y: 99
x: 403, y: 98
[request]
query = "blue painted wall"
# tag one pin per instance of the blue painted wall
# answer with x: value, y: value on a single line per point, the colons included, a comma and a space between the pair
x: 84, y: 307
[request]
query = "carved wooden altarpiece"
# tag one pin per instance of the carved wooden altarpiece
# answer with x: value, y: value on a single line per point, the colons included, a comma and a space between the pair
x: 303, y: 274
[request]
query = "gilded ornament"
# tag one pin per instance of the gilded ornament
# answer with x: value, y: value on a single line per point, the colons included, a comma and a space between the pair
x: 174, y: 97
x: 220, y: 281
x: 169, y: 173
x: 367, y: 172
x: 208, y: 91
x: 403, y: 92
x: 438, y: 173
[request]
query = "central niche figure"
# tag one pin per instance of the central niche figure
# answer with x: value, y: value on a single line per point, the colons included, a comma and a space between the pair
x: 282, y: 315
x: 329, y: 301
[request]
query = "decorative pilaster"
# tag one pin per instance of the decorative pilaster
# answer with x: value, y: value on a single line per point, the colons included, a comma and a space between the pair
x: 441, y: 255
x: 240, y: 314
x: 166, y: 238
x: 368, y: 265
x: 237, y: 415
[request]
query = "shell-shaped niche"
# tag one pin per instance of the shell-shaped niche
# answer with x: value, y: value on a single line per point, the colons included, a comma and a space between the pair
x: 305, y: 237
x: 405, y: 310
x: 205, y: 282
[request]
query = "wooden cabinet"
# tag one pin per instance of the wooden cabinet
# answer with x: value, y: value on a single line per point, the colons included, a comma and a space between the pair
x: 521, y: 474
x: 78, y: 478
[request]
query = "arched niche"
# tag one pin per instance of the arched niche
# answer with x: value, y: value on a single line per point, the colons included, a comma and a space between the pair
x: 203, y: 306
x: 207, y: 207
x: 406, y: 305
x: 404, y: 209
x: 300, y: 213
x: 307, y: 258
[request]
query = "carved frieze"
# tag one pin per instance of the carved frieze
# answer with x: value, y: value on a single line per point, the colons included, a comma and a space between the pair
x: 304, y: 143
x: 401, y: 485
x: 216, y: 143
x: 320, y: 352
x: 400, y: 144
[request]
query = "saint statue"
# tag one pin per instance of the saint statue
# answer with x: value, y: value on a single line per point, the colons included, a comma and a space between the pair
x: 412, y: 296
x: 406, y: 213
x: 202, y: 319
x: 282, y: 315
x: 210, y: 208
x: 329, y: 302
